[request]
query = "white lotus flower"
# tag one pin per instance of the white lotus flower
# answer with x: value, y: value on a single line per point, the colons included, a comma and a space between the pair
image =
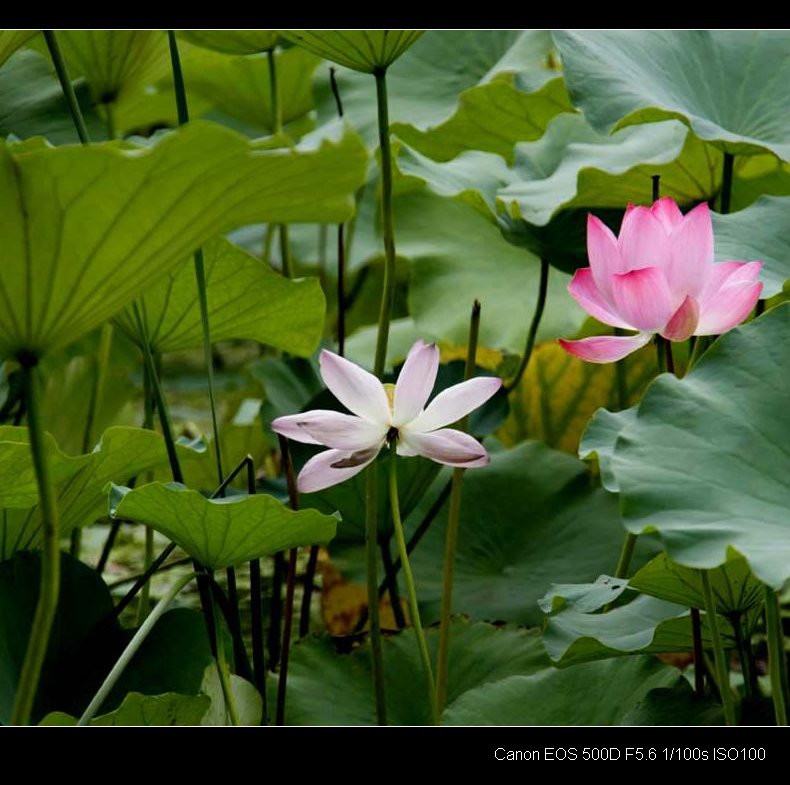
x: 387, y: 413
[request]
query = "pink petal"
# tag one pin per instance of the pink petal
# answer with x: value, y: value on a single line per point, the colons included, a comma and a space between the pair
x: 643, y: 298
x: 731, y: 305
x: 331, y: 467
x: 643, y: 241
x: 289, y: 426
x: 728, y: 273
x: 683, y: 322
x: 340, y: 431
x: 583, y: 289
x: 359, y: 391
x: 453, y: 448
x: 667, y: 212
x: 415, y: 382
x: 605, y: 348
x: 455, y: 402
x: 604, y: 254
x: 691, y: 254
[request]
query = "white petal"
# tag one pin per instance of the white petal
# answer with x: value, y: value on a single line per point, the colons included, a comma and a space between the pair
x: 415, y: 382
x: 289, y: 426
x: 341, y: 431
x: 332, y: 467
x: 455, y: 402
x: 359, y: 391
x: 448, y: 446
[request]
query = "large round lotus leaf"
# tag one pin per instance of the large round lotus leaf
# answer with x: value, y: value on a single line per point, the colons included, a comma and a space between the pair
x: 503, y: 90
x: 246, y: 300
x: 362, y: 50
x: 328, y: 688
x: 597, y: 693
x: 233, y: 42
x: 113, y: 61
x: 11, y: 40
x: 705, y: 461
x: 529, y: 519
x: 221, y: 532
x: 730, y: 86
x: 86, y: 230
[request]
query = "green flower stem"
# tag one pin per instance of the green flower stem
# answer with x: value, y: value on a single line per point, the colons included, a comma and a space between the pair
x: 307, y: 590
x: 341, y: 291
x: 414, y: 609
x: 148, y: 423
x: 745, y: 655
x: 65, y: 85
x: 391, y: 582
x: 274, y: 93
x: 200, y: 271
x: 131, y: 649
x: 626, y: 554
x: 224, y: 676
x: 700, y: 668
x: 777, y: 656
x: 387, y: 224
x: 726, y: 183
x: 293, y: 498
x: 49, y: 586
x: 719, y: 654
x: 371, y: 561
x: 285, y: 252
x: 451, y: 537
x: 532, y: 333
x: 700, y: 347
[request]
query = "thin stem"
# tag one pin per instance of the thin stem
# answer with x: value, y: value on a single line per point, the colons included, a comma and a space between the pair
x: 293, y: 498
x: 777, y: 657
x: 726, y: 183
x: 700, y: 346
x: 656, y: 183
x: 274, y: 93
x: 540, y: 304
x: 115, y: 527
x: 699, y: 653
x: 131, y: 649
x: 719, y: 655
x: 341, y: 291
x: 307, y: 590
x: 282, y: 684
x: 276, y: 611
x: 235, y: 616
x: 626, y: 553
x: 224, y: 678
x: 451, y: 537
x: 49, y: 582
x: 200, y: 270
x: 99, y: 381
x: 371, y: 563
x: 66, y: 86
x: 335, y: 91
x: 670, y: 358
x: 387, y: 224
x: 414, y: 609
x: 744, y: 655
x: 285, y: 251
x: 145, y: 596
x: 133, y: 578
x: 391, y: 582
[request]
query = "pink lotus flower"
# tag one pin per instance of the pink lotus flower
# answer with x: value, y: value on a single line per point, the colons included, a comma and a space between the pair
x: 659, y: 276
x: 385, y: 413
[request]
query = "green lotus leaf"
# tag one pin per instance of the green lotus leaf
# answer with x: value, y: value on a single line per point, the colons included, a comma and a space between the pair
x: 362, y: 50
x: 704, y: 463
x: 221, y: 532
x: 233, y: 42
x: 122, y: 453
x: 84, y: 229
x: 727, y: 85
x: 596, y: 693
x: 11, y: 40
x: 328, y: 688
x: 246, y: 300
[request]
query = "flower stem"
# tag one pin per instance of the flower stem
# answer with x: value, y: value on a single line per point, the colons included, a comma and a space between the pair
x: 341, y: 291
x: 65, y: 85
x: 307, y: 590
x: 777, y: 657
x: 699, y: 652
x: 627, y: 552
x: 387, y: 224
x: 371, y: 540
x: 451, y: 537
x: 540, y: 304
x: 293, y: 498
x: 726, y: 183
x: 414, y: 609
x: 224, y: 675
x: 131, y: 649
x: 719, y: 654
x: 391, y: 582
x: 274, y: 93
x: 200, y: 270
x: 49, y: 585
